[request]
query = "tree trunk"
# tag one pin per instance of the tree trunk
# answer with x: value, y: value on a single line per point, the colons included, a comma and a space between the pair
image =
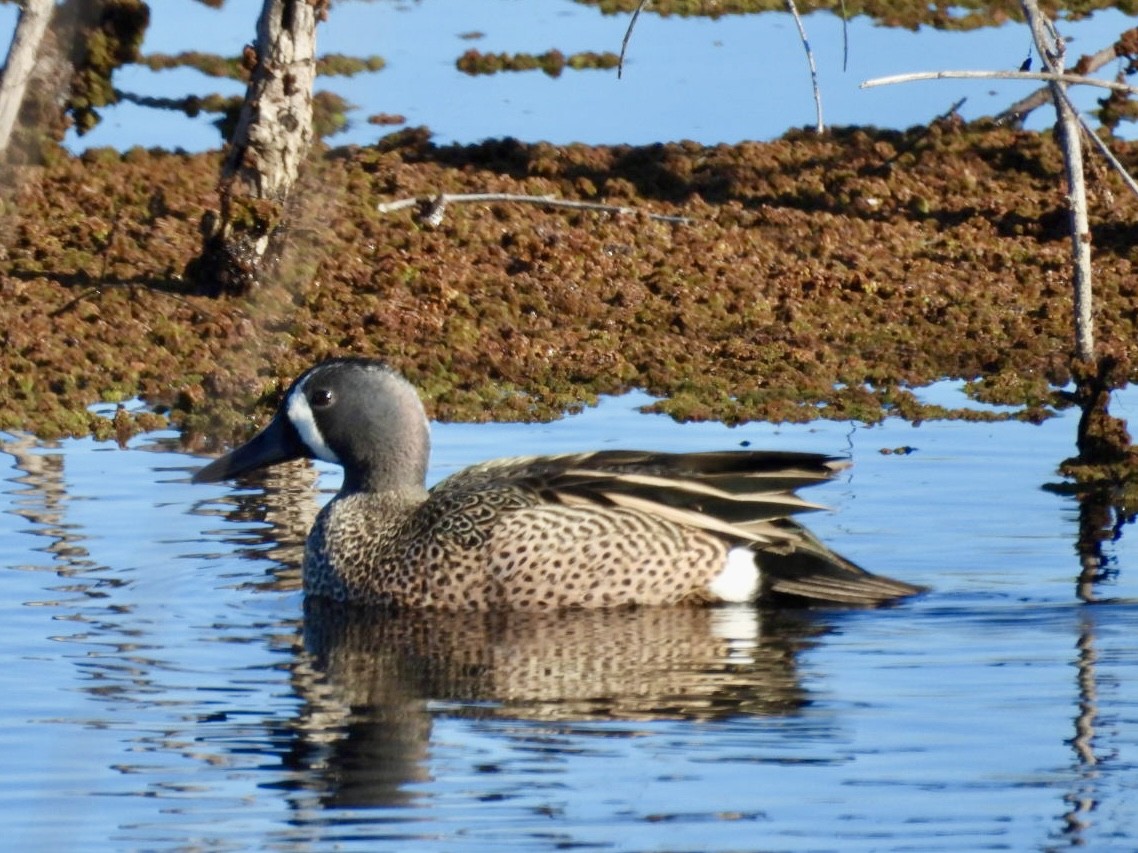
x: 30, y: 30
x: 273, y: 135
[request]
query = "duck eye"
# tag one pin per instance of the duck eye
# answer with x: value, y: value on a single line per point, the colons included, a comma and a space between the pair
x: 321, y: 398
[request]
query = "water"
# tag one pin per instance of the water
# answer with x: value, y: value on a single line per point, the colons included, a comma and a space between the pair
x: 164, y: 691
x: 733, y: 79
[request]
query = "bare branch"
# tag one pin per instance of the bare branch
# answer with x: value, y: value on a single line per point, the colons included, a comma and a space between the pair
x: 820, y: 127
x: 17, y: 71
x: 845, y: 37
x: 1087, y: 64
x: 1104, y: 149
x: 950, y: 112
x: 434, y: 206
x: 1050, y: 77
x: 627, y: 36
x: 1051, y: 49
x: 1058, y: 78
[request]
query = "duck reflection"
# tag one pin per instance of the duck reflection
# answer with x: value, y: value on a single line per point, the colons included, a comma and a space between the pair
x: 372, y: 681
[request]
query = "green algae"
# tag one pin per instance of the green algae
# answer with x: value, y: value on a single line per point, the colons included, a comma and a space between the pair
x: 941, y: 14
x: 789, y: 297
x: 109, y: 41
x: 237, y: 67
x: 552, y: 62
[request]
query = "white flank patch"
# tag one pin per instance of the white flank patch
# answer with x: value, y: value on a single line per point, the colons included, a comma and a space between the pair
x: 739, y: 580
x: 300, y: 413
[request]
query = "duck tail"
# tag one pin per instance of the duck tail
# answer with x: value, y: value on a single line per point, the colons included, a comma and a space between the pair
x: 808, y: 573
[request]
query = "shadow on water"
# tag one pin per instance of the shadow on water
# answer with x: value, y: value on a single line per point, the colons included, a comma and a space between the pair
x: 372, y: 682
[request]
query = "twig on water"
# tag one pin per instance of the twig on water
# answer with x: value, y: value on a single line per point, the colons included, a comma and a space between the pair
x: 435, y: 206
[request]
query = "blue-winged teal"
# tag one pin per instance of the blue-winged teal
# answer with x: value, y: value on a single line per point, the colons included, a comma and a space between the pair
x: 600, y: 529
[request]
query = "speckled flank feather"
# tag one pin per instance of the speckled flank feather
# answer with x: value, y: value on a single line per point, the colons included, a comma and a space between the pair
x: 604, y: 529
x: 590, y: 530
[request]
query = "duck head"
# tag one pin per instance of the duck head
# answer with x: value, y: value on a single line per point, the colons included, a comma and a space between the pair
x: 353, y: 412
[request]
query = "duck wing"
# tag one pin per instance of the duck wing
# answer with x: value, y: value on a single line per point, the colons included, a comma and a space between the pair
x: 731, y: 493
x: 746, y: 498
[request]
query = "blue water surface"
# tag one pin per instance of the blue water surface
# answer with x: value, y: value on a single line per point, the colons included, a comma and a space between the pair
x: 727, y: 80
x: 163, y: 691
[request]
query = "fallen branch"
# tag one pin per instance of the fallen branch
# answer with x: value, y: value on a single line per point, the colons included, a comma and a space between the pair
x: 1048, y: 76
x: 433, y: 207
x: 1056, y: 79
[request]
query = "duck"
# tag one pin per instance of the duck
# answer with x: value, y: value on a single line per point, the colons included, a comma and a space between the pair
x: 600, y: 529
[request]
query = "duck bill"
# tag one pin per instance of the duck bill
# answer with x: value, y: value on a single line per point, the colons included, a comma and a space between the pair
x: 277, y: 442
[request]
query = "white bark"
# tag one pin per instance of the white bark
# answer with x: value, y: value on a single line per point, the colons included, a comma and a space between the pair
x: 21, y: 61
x: 274, y: 131
x: 1051, y: 48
